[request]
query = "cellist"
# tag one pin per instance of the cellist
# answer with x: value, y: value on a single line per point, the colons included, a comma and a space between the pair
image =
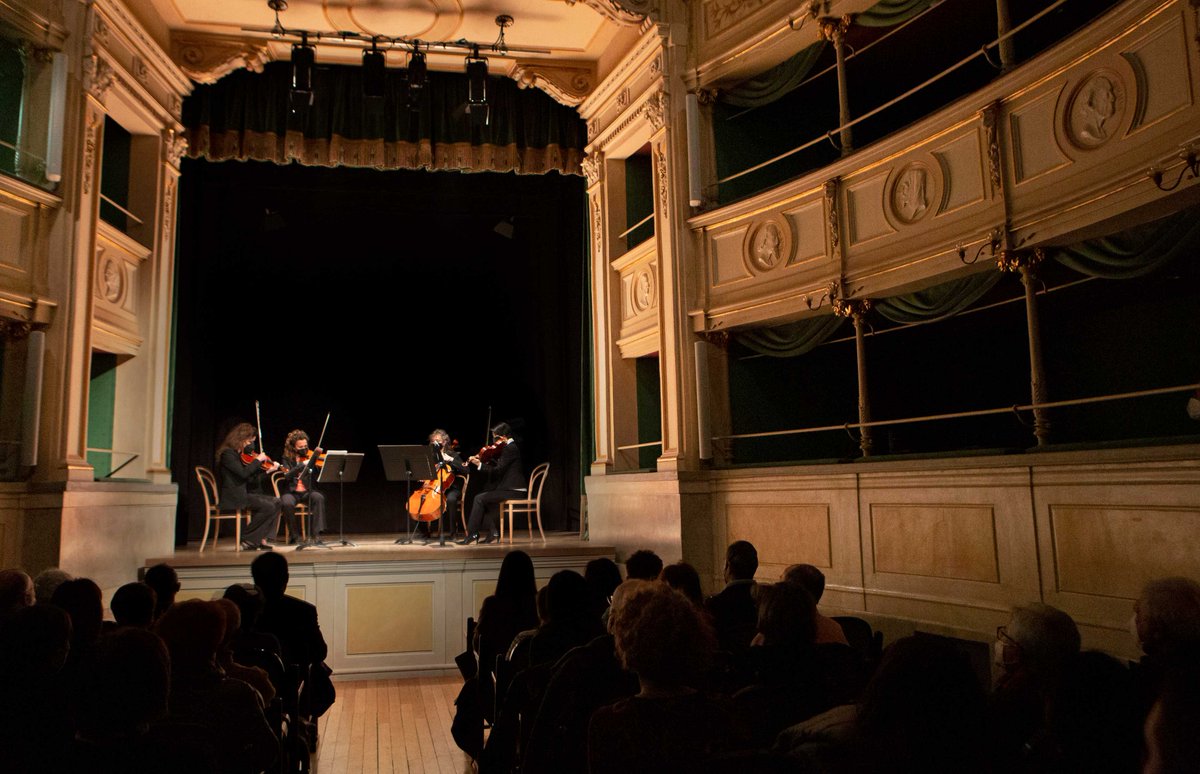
x: 503, y: 461
x: 297, y: 486
x: 446, y: 455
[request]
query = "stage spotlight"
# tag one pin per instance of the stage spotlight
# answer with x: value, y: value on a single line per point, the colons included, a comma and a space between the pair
x: 417, y: 70
x: 303, y: 57
x: 477, y: 98
x: 374, y: 64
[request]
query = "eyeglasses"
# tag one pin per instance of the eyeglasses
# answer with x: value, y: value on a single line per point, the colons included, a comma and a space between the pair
x: 1002, y: 636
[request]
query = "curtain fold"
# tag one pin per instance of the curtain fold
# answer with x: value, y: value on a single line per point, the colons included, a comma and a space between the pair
x: 790, y: 339
x: 769, y: 86
x: 939, y: 301
x: 888, y: 13
x: 1136, y: 251
x: 248, y: 116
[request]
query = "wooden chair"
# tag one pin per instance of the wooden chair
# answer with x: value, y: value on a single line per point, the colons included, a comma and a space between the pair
x: 301, y: 510
x: 531, y: 507
x: 213, y: 512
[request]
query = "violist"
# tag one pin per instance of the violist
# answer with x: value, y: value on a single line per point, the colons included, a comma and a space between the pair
x: 503, y: 461
x: 297, y: 487
x: 239, y: 466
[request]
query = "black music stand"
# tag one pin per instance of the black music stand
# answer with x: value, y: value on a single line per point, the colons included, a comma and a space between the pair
x: 407, y: 464
x: 341, y: 467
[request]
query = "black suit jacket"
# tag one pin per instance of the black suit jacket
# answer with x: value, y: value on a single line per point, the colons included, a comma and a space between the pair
x: 235, y: 477
x: 294, y: 622
x: 508, y: 472
x: 735, y: 615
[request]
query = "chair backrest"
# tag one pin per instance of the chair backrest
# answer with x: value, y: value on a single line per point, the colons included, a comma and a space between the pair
x: 536, y: 479
x: 462, y: 496
x: 208, y: 486
x: 276, y: 477
x: 859, y: 633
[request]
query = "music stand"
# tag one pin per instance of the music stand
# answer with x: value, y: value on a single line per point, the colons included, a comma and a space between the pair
x: 408, y: 464
x: 342, y: 467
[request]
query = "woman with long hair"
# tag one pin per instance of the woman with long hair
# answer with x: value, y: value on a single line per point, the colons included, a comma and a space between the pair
x: 236, y: 475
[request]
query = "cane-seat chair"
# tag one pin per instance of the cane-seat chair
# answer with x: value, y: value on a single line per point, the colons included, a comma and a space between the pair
x: 301, y: 509
x: 213, y: 513
x: 530, y: 506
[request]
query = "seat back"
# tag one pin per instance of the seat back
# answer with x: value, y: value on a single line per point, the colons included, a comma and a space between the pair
x: 276, y: 477
x: 536, y: 479
x: 208, y: 487
x: 862, y: 638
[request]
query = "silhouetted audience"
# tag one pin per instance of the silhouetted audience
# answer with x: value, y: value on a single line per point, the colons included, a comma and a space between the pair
x: 47, y: 581
x: 133, y: 605
x: 813, y: 581
x: 36, y: 721
x: 253, y: 676
x: 165, y: 582
x: 669, y: 725
x: 602, y: 576
x: 511, y: 609
x: 16, y: 593
x: 1172, y: 741
x: 1167, y: 624
x: 643, y: 564
x: 83, y: 602
x: 734, y: 609
x: 683, y: 577
x: 248, y: 641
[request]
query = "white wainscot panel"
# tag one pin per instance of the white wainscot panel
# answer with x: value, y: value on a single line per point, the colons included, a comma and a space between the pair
x: 808, y: 227
x: 1035, y: 149
x: 864, y: 205
x: 962, y: 168
x: 1161, y: 63
x: 728, y: 264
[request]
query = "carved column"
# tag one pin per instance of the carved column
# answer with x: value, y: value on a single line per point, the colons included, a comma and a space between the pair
x: 1025, y: 262
x: 856, y: 310
x: 834, y: 30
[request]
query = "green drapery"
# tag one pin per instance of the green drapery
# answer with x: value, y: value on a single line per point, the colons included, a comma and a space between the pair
x: 769, y: 86
x: 790, y: 339
x: 888, y: 13
x: 1136, y: 251
x: 939, y: 301
x: 246, y: 116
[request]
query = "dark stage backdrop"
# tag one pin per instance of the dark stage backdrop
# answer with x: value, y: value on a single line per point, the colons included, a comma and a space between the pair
x: 388, y: 299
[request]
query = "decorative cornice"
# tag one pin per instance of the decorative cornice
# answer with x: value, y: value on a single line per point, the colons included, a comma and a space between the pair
x: 624, y: 12
x: 655, y: 109
x: 140, y: 42
x: 652, y: 43
x: 98, y: 77
x: 567, y: 82
x: 592, y: 164
x: 208, y: 58
x: 174, y: 146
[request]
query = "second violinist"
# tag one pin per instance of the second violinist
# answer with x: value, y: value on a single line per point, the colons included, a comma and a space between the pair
x: 297, y: 486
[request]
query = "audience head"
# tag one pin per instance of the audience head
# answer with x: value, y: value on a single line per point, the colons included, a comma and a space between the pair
x: 1172, y: 744
x: 249, y: 602
x: 165, y: 582
x: 193, y: 631
x: 133, y: 605
x: 741, y: 561
x: 683, y: 577
x: 123, y: 686
x: 542, y: 604
x: 47, y: 582
x: 812, y: 579
x: 1038, y: 639
x: 622, y: 594
x: 786, y: 616
x: 36, y: 642
x: 643, y: 565
x: 661, y: 636
x: 1167, y: 616
x: 270, y: 573
x: 602, y: 576
x: 1092, y: 717
x: 82, y: 600
x: 231, y: 619
x: 566, y: 596
x: 923, y: 708
x: 516, y: 576
x: 16, y: 592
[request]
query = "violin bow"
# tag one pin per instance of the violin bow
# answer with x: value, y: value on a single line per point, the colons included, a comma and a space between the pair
x: 258, y: 419
x: 313, y: 451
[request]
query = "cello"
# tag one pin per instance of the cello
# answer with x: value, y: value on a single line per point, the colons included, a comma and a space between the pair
x: 426, y: 504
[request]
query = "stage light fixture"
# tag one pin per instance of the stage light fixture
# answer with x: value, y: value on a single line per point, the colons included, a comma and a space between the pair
x: 477, y: 98
x: 303, y: 58
x: 418, y: 70
x: 374, y: 64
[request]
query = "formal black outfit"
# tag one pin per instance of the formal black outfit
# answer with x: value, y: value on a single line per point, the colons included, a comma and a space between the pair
x: 735, y: 615
x: 297, y: 488
x: 453, y: 494
x: 508, y: 482
x: 236, y: 478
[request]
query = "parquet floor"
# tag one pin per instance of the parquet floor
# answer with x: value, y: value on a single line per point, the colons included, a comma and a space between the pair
x: 392, y: 727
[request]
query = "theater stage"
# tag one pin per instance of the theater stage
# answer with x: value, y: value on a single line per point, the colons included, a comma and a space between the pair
x: 386, y: 609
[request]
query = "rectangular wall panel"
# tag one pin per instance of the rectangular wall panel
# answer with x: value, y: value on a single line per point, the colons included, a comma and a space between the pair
x: 938, y: 541
x: 390, y: 618
x: 783, y: 534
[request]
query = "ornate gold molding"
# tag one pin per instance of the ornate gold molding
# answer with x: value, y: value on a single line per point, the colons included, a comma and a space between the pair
x: 174, y: 146
x: 567, y: 82
x: 98, y: 77
x: 655, y: 109
x: 834, y: 28
x: 627, y: 12
x: 1015, y: 260
x: 13, y: 330
x: 591, y: 165
x: 664, y: 187
x: 851, y: 307
x: 207, y: 58
x: 990, y: 117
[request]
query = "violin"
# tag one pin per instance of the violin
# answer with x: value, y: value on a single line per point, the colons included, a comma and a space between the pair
x: 492, y: 452
x: 319, y: 462
x: 249, y: 459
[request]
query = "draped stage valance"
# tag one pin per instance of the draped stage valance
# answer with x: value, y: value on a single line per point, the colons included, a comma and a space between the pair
x: 247, y: 116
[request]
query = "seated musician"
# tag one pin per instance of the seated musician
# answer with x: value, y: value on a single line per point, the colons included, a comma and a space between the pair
x: 297, y: 487
x: 440, y: 441
x: 507, y: 483
x: 240, y: 468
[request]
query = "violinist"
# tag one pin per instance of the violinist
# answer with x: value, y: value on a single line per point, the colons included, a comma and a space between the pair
x: 300, y: 464
x: 241, y: 466
x: 446, y: 455
x: 502, y: 460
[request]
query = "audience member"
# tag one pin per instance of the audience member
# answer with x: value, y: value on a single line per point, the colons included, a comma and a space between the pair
x: 165, y: 582
x: 133, y: 605
x: 1172, y: 741
x: 201, y: 694
x: 683, y: 577
x: 1166, y: 623
x: 602, y: 576
x: 83, y: 602
x: 248, y: 640
x: 505, y: 613
x: 813, y: 581
x: 734, y: 609
x: 570, y: 619
x: 47, y: 581
x: 643, y: 565
x: 35, y: 716
x: 16, y: 593
x: 668, y: 725
x: 251, y: 675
